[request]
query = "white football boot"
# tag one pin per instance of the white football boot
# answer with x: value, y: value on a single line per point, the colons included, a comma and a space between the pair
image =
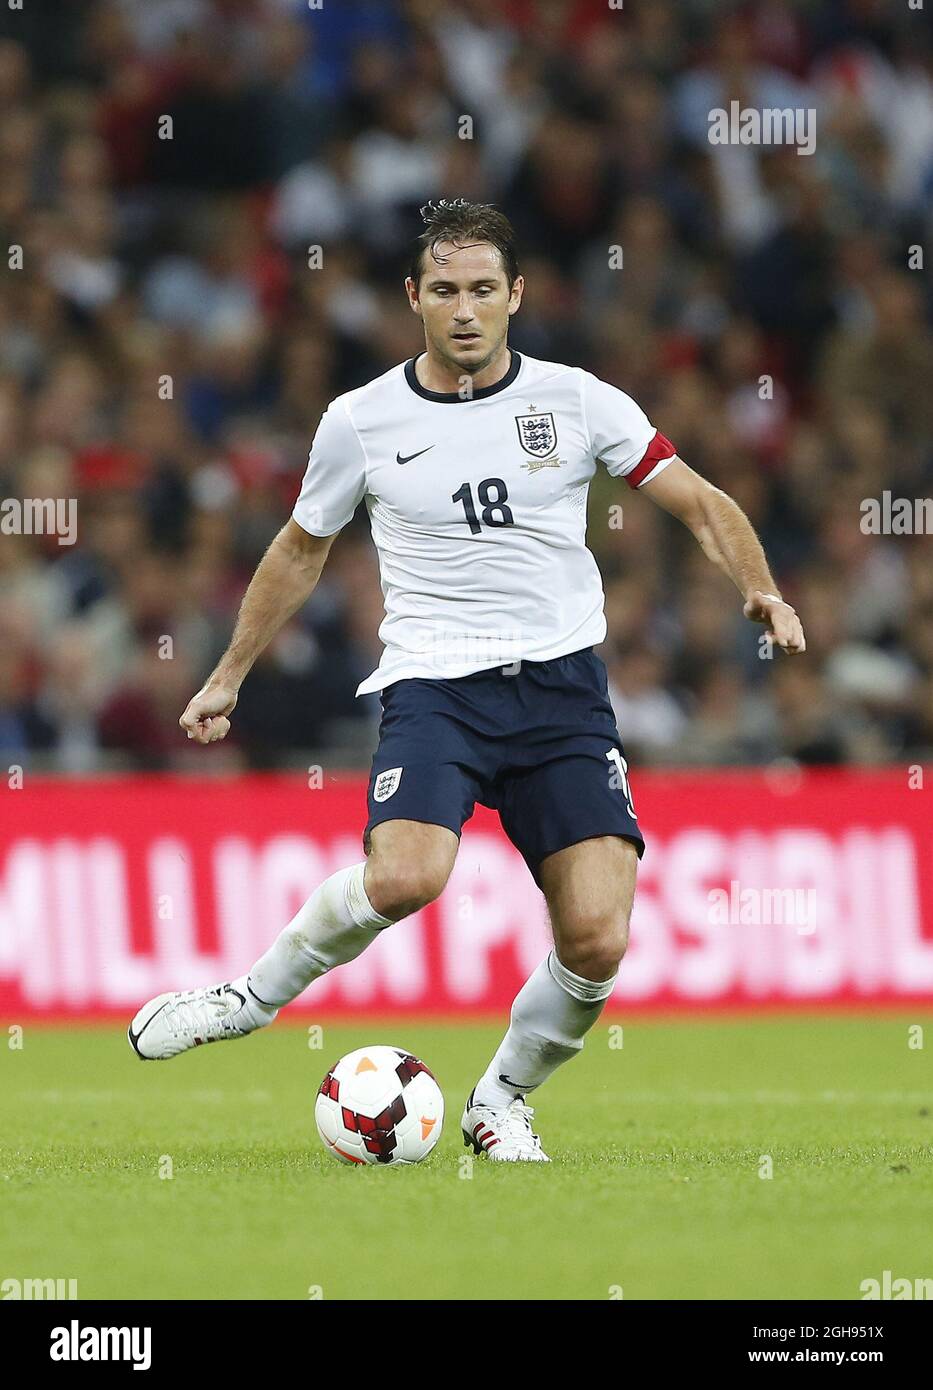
x: 502, y: 1132
x: 173, y: 1023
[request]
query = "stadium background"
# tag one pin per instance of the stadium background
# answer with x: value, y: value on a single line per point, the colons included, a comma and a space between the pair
x: 188, y: 258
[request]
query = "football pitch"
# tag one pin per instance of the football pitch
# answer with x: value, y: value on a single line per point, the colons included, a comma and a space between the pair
x: 204, y: 1178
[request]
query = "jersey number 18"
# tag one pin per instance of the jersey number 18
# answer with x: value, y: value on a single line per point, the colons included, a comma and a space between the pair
x: 494, y: 510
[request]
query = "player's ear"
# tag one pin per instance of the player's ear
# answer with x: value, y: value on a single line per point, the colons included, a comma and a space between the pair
x: 515, y: 294
x: 411, y: 290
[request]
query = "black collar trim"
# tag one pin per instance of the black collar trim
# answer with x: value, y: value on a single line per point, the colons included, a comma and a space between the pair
x: 454, y: 397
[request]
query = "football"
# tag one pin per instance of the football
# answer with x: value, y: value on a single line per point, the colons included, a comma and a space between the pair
x: 379, y: 1105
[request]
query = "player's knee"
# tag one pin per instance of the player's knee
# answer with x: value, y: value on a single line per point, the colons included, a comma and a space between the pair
x: 398, y: 889
x: 596, y: 949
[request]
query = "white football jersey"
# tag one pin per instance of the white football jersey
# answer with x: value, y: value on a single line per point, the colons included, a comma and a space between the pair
x: 478, y: 509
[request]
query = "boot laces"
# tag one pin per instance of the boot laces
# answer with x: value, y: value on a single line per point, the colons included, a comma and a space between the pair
x: 197, y: 1011
x: 514, y: 1122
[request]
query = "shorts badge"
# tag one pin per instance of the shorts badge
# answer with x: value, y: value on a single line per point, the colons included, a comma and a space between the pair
x: 386, y: 784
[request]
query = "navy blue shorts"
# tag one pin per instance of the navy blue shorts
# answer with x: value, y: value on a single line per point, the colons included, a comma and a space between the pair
x: 539, y: 745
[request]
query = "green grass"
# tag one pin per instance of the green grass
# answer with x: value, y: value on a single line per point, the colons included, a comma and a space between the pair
x: 654, y: 1186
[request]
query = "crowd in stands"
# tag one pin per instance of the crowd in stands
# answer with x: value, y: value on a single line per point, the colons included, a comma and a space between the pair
x: 169, y: 340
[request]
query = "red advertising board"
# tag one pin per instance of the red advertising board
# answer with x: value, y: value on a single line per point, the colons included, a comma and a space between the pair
x: 756, y: 890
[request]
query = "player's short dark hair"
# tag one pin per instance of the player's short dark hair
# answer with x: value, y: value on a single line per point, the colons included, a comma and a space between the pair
x: 461, y: 222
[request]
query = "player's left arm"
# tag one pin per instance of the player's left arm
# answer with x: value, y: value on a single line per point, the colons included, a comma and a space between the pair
x: 727, y: 537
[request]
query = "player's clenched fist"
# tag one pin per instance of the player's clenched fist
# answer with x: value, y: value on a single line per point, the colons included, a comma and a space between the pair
x: 205, y: 720
x: 779, y: 618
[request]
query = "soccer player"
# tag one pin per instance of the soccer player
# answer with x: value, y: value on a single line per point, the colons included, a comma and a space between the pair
x: 474, y: 462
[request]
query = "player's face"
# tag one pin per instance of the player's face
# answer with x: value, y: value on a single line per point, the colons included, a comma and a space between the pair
x: 465, y: 304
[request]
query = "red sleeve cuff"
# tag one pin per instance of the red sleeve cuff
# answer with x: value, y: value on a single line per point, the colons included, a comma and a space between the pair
x: 657, y: 451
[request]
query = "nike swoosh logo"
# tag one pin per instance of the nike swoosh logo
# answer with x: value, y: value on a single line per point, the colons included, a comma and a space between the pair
x: 509, y: 1082
x: 408, y: 457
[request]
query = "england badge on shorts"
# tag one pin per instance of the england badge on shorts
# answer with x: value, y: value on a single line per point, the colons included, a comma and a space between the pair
x: 387, y: 784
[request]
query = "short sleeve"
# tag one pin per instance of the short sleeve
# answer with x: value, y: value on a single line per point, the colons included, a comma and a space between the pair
x: 621, y: 435
x: 335, y: 478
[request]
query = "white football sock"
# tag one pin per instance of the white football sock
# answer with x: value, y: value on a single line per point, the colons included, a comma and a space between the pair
x: 552, y: 1012
x: 335, y: 925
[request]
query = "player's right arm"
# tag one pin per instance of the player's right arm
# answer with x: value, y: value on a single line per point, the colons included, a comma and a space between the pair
x: 284, y: 580
x: 333, y: 486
